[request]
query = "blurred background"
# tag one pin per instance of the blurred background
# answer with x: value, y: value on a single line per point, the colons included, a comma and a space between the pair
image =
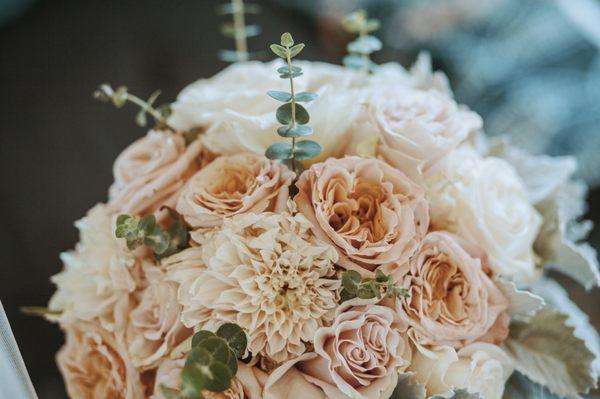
x: 530, y: 67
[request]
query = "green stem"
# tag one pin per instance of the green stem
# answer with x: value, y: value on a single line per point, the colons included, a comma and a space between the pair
x: 293, y: 93
x: 239, y: 27
x: 149, y: 109
x: 365, y: 56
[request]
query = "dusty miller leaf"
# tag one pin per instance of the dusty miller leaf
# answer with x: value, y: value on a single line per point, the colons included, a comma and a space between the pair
x: 546, y: 350
x: 521, y: 304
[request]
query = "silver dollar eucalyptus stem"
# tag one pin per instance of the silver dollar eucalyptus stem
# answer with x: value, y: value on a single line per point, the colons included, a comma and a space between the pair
x: 239, y: 25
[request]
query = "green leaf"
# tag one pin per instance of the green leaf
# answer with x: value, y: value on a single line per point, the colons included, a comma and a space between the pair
x: 235, y: 337
x: 285, y: 69
x: 346, y: 296
x: 119, y: 97
x: 547, y: 351
x: 355, y: 22
x: 306, y: 97
x: 282, y: 96
x: 201, y: 336
x: 458, y: 394
x: 221, y: 377
x: 307, y: 149
x: 380, y: 276
x: 292, y: 164
x: 287, y: 40
x: 140, y: 118
x: 284, y: 114
x: 228, y: 8
x: 158, y: 241
x: 366, y: 292
x: 147, y: 224
x: 356, y: 62
x: 351, y: 280
x: 520, y: 387
x: 196, y: 372
x: 279, y: 151
x: 297, y: 131
x: 292, y: 75
x: 217, y: 347
x: 302, y: 116
x: 231, y: 56
x: 126, y: 225
x: 407, y: 389
x: 365, y: 45
x: 252, y: 30
x: 372, y: 25
x: 294, y: 51
x: 165, y: 110
x: 279, y: 50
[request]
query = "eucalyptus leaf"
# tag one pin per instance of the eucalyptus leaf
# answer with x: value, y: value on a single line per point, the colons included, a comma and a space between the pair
x: 355, y: 22
x: 365, y: 292
x: 365, y: 45
x: 119, y: 97
x: 279, y: 151
x: 147, y: 224
x: 292, y: 75
x: 201, y: 336
x: 294, y: 51
x: 196, y: 372
x: 230, y: 55
x: 284, y: 113
x: 252, y: 30
x: 302, y: 116
x: 305, y: 96
x: 458, y: 394
x: 169, y: 393
x: 221, y: 377
x: 279, y: 50
x: 351, y: 280
x: 235, y: 337
x: 287, y: 40
x: 297, y: 131
x: 140, y: 118
x: 307, y: 149
x: 355, y: 61
x: 285, y: 69
x: 228, y: 30
x: 217, y: 347
x: 282, y: 96
x: 165, y: 110
x: 228, y: 8
x: 408, y: 389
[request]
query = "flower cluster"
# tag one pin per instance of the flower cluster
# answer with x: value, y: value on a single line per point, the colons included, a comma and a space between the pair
x: 385, y: 266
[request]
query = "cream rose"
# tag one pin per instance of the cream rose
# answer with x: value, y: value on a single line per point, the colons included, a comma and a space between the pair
x: 99, y: 276
x: 418, y: 127
x: 451, y: 300
x: 233, y: 185
x: 152, y: 170
x: 239, y: 116
x: 154, y: 326
x: 484, y: 201
x: 247, y: 383
x: 359, y: 354
x: 479, y: 368
x: 370, y: 212
x: 95, y: 366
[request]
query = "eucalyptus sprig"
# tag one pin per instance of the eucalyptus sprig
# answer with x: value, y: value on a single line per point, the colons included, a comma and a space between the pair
x: 238, y: 30
x: 365, y: 44
x: 120, y: 96
x: 354, y: 286
x: 146, y: 231
x: 291, y: 114
x: 212, y: 362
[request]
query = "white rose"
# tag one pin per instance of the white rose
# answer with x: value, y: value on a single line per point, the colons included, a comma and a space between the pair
x: 479, y: 368
x: 484, y: 201
x: 418, y: 127
x: 239, y: 116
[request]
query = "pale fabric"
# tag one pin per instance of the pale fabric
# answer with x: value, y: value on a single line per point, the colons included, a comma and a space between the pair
x: 370, y: 212
x: 95, y: 365
x: 151, y: 171
x: 245, y: 385
x: 233, y: 185
x: 154, y: 327
x: 451, y: 301
x: 483, y: 200
x: 98, y: 276
x: 361, y: 352
x: 265, y: 272
x: 418, y: 127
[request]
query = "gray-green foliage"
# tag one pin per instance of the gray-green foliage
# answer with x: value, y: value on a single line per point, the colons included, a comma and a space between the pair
x: 212, y: 362
x: 293, y: 116
x: 354, y: 286
x: 238, y: 30
x: 360, y: 50
x: 146, y: 231
x: 120, y: 96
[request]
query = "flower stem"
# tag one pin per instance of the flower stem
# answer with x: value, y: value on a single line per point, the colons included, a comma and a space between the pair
x: 293, y: 106
x: 239, y: 27
x: 149, y: 109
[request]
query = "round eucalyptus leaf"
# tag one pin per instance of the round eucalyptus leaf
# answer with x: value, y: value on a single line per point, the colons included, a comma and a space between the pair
x: 307, y: 149
x: 351, y: 280
x: 252, y: 30
x: 221, y: 377
x: 279, y: 151
x: 147, y: 223
x: 365, y: 45
x: 294, y: 51
x: 235, y: 337
x: 217, y: 347
x: 196, y: 372
x: 292, y: 75
x: 284, y: 113
x: 355, y: 61
x: 229, y: 55
x: 284, y: 69
x: 201, y: 336
x: 297, y: 131
x: 302, y: 116
x: 282, y: 96
x: 306, y: 97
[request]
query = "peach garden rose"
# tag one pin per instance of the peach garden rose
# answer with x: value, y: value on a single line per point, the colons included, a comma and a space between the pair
x: 151, y: 171
x: 233, y: 185
x: 370, y: 212
x: 451, y: 301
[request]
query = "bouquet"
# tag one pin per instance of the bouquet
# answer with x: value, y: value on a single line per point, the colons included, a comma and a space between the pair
x: 306, y: 230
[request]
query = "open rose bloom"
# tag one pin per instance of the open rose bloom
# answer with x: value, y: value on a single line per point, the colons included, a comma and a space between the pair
x: 407, y: 260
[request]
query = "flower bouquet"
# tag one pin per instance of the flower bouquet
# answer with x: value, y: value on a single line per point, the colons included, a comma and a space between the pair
x: 352, y: 234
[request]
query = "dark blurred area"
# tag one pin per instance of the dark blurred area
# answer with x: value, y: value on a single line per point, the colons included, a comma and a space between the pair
x: 57, y: 144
